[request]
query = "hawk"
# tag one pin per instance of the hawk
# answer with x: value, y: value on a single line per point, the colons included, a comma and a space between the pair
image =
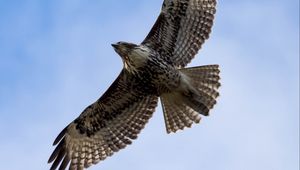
x: 153, y: 69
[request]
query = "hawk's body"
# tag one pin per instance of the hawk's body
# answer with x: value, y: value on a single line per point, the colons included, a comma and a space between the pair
x: 151, y: 70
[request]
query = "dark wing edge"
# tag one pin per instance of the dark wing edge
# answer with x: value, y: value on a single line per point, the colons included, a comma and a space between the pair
x: 181, y: 29
x: 81, y: 150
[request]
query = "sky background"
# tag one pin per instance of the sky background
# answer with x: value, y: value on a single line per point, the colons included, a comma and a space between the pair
x: 56, y: 59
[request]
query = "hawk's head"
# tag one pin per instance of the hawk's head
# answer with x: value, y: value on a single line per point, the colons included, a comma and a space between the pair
x: 124, y: 49
x: 133, y: 56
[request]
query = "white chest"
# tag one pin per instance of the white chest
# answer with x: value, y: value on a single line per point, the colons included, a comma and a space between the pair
x: 137, y: 58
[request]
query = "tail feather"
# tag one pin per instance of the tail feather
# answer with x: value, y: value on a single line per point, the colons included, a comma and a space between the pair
x: 173, y: 121
x: 197, y: 103
x: 208, y: 90
x: 184, y: 117
x: 182, y: 109
x: 177, y: 116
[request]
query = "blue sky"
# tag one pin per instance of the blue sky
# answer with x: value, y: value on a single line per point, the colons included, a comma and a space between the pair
x: 56, y: 59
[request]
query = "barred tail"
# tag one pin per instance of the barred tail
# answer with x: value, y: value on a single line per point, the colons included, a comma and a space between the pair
x: 182, y: 109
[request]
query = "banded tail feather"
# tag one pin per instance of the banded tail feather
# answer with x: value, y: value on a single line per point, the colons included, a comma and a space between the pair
x: 182, y: 109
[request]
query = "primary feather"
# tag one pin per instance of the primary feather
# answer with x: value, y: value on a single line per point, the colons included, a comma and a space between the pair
x: 152, y: 69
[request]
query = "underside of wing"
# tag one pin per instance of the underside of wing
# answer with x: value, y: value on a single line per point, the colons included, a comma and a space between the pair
x: 181, y: 29
x: 105, y: 127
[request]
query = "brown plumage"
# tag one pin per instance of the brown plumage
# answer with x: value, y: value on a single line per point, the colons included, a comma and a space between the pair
x: 181, y: 29
x: 153, y: 69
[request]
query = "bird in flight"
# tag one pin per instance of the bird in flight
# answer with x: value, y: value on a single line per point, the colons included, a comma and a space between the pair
x: 153, y: 69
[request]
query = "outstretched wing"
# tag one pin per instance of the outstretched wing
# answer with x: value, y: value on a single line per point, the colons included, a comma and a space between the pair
x: 181, y: 29
x: 104, y: 127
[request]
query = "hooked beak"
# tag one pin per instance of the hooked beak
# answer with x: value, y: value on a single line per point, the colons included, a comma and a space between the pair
x: 115, y: 46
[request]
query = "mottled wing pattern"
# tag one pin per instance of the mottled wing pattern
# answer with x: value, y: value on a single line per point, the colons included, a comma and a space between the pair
x: 181, y: 29
x: 104, y: 127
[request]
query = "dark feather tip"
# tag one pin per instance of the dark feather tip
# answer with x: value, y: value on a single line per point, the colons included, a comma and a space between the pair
x: 56, y: 151
x: 60, y: 136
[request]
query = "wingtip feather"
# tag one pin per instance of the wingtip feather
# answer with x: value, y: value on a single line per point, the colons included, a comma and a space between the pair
x: 56, y: 152
x: 60, y: 136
